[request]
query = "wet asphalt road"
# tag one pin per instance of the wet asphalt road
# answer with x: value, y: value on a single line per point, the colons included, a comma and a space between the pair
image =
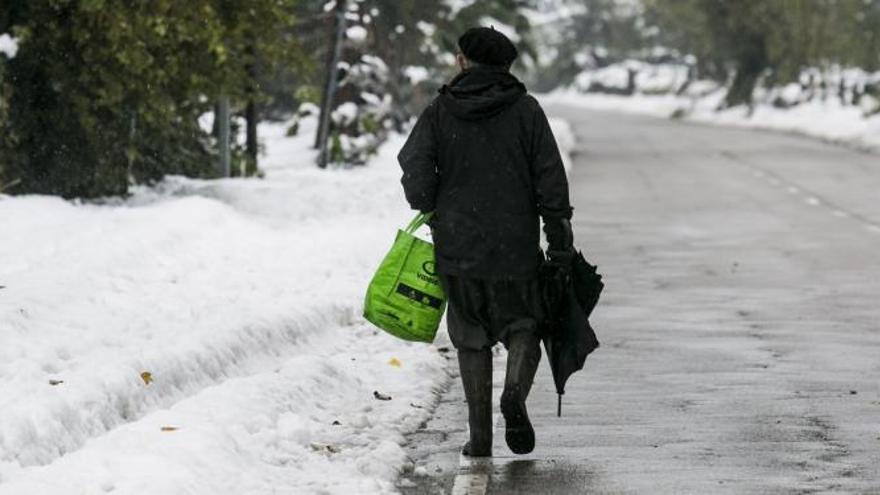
x: 740, y: 323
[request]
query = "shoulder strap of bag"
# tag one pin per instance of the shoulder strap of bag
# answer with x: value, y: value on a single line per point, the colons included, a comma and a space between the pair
x: 418, y: 221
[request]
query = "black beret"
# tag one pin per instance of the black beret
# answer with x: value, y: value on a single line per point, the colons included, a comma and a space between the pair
x: 487, y: 46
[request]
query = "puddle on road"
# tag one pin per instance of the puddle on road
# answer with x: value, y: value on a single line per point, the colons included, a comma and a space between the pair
x: 545, y: 476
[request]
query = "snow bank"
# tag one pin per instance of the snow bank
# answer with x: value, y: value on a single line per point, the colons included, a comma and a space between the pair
x: 835, y: 104
x: 825, y: 119
x: 632, y: 75
x: 205, y: 337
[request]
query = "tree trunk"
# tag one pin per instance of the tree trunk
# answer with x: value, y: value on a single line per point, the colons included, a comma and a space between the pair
x: 750, y: 64
x: 328, y: 71
x: 251, y: 114
x: 331, y: 81
x: 215, y: 127
x: 252, y: 117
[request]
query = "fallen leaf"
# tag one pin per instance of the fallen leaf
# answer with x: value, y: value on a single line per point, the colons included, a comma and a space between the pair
x: 169, y: 428
x: 412, y: 404
x: 147, y: 377
x: 325, y: 447
x: 381, y: 396
x: 55, y: 382
x: 395, y: 362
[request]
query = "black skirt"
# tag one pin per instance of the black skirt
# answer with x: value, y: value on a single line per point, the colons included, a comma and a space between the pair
x: 482, y: 312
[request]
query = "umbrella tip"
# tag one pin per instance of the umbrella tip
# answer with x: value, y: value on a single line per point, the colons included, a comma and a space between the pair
x: 559, y: 405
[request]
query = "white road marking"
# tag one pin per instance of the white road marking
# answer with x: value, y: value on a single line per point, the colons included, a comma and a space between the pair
x: 467, y: 482
x: 812, y: 200
x: 470, y: 484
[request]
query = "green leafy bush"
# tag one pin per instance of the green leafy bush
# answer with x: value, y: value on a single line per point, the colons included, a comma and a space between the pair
x: 106, y: 93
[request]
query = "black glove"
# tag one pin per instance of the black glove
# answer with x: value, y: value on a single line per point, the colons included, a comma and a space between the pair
x: 562, y: 259
x: 561, y: 263
x: 559, y: 234
x: 560, y: 241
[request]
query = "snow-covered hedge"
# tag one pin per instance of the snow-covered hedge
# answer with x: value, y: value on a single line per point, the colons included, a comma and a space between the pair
x: 361, y: 123
x: 633, y: 76
x: 846, y: 116
x: 849, y: 86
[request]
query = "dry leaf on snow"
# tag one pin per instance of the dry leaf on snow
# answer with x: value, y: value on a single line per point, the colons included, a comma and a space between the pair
x: 381, y: 396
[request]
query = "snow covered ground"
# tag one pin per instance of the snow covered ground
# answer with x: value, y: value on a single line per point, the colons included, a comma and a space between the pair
x: 205, y: 337
x: 828, y: 120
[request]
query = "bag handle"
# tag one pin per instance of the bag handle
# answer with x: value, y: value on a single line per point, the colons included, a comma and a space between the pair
x: 418, y: 221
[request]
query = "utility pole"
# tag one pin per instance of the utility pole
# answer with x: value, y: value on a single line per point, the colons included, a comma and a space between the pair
x: 332, y: 84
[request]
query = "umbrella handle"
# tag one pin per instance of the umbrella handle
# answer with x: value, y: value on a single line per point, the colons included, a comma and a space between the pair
x: 558, y: 405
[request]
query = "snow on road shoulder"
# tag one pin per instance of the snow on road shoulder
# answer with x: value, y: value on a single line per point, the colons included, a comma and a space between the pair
x: 828, y: 120
x: 226, y: 312
x: 565, y: 139
x: 310, y: 425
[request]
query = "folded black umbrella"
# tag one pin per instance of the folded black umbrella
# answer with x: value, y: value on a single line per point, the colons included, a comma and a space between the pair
x: 569, y: 297
x: 587, y: 283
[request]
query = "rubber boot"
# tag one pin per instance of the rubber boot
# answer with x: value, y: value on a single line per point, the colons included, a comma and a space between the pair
x: 523, y: 356
x: 476, y: 376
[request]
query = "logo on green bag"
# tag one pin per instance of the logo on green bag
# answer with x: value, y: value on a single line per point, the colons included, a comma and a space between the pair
x: 431, y: 277
x: 428, y: 267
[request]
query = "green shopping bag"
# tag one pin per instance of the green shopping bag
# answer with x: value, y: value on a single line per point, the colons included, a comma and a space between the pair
x: 405, y: 297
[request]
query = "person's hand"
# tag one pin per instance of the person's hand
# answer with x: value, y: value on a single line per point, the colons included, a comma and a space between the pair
x: 559, y: 235
x: 561, y: 259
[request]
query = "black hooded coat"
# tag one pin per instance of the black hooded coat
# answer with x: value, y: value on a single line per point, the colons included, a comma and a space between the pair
x: 482, y: 157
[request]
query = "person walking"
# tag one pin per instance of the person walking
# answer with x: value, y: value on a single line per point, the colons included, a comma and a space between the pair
x: 483, y: 159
